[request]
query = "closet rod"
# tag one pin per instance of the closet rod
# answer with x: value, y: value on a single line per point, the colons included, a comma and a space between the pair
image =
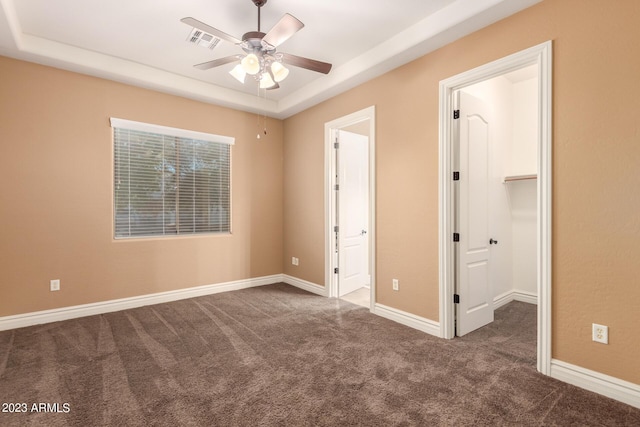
x: 519, y: 177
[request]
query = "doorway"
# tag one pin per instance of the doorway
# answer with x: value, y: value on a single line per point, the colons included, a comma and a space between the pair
x: 540, y: 58
x: 495, y: 196
x: 350, y: 202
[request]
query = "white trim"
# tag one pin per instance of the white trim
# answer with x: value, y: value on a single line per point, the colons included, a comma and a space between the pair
x: 65, y: 313
x: 407, y: 319
x: 514, y: 295
x: 330, y: 166
x: 541, y: 55
x: 305, y: 285
x: 166, y: 130
x: 544, y: 202
x: 596, y: 382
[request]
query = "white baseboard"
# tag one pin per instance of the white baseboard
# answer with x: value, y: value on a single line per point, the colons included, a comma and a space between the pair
x: 399, y: 316
x: 65, y: 313
x: 305, y: 285
x: 408, y: 319
x: 606, y: 385
x: 514, y: 295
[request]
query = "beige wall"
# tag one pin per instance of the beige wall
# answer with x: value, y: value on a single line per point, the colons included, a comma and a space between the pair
x: 596, y: 153
x: 56, y: 201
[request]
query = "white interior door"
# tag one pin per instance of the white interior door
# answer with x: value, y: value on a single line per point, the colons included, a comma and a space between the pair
x: 353, y: 212
x: 475, y: 308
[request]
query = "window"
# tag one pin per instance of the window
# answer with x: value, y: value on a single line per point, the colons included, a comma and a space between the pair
x: 170, y: 181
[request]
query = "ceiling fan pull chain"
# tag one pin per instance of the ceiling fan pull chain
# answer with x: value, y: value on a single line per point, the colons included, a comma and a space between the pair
x: 258, y: 117
x: 265, y: 113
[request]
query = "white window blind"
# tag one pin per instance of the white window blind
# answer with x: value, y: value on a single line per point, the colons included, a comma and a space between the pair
x: 170, y: 181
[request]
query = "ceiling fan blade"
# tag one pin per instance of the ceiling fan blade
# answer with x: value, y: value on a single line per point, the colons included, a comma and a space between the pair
x: 309, y: 64
x: 287, y: 26
x: 218, y: 62
x: 209, y: 29
x: 275, y: 86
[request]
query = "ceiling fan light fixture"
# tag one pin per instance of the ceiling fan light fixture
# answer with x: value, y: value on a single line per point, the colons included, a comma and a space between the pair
x: 261, y: 59
x: 238, y: 73
x: 251, y: 64
x: 266, y: 81
x: 280, y: 72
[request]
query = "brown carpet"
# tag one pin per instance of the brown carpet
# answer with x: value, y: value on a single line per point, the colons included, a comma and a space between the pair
x: 276, y: 355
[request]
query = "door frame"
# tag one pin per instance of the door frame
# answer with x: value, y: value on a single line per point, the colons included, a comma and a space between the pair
x: 541, y: 56
x: 330, y: 168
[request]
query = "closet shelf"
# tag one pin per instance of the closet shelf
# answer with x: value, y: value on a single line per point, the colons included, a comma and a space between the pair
x: 519, y: 177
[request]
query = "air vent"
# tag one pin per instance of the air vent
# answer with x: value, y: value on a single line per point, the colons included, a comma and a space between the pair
x: 203, y: 39
x: 195, y: 36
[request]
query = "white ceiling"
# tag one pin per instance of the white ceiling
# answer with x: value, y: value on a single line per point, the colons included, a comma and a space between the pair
x: 143, y: 42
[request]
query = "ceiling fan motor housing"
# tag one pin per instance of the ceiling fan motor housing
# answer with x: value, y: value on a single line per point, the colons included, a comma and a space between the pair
x: 252, y: 41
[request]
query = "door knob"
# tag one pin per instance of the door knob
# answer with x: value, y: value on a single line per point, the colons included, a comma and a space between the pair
x: 493, y: 242
x: 363, y: 232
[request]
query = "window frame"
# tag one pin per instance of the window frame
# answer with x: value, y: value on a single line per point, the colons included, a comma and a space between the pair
x: 130, y: 125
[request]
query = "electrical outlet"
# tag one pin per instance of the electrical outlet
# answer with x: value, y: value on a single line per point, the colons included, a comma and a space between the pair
x: 600, y: 333
x: 54, y: 285
x: 295, y: 261
x: 395, y: 284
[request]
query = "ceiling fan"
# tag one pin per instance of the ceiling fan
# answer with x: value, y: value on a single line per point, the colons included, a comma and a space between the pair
x: 261, y: 60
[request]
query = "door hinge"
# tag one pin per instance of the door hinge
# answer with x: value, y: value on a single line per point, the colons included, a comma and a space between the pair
x: 456, y: 237
x: 335, y: 228
x: 337, y: 187
x: 335, y: 270
x: 456, y: 114
x: 456, y: 299
x: 456, y: 176
x: 336, y: 145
